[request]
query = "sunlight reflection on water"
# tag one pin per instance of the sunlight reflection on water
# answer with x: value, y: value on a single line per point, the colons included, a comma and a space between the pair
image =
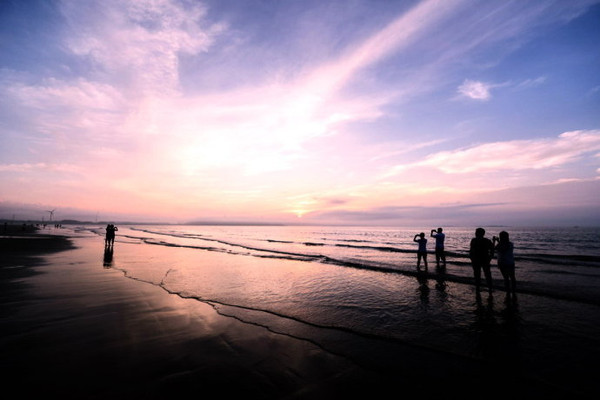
x: 256, y: 274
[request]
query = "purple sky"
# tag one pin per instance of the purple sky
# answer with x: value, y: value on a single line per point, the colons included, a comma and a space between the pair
x: 362, y: 111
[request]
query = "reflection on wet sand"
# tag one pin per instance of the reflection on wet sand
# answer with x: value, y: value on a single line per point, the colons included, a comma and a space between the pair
x: 108, y: 256
x: 423, y: 286
x: 498, y: 333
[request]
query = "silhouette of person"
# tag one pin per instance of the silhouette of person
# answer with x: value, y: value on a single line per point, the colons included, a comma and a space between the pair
x: 422, y: 251
x: 481, y: 252
x: 506, y: 261
x: 439, y: 246
x: 107, y: 236
x: 110, y: 234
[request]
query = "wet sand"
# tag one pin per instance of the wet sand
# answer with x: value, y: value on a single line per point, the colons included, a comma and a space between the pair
x: 74, y: 329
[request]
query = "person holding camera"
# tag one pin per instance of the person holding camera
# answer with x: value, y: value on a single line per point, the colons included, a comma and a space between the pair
x: 439, y: 246
x: 506, y: 261
x: 422, y: 251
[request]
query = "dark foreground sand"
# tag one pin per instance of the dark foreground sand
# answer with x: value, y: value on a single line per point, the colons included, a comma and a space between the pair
x: 73, y: 329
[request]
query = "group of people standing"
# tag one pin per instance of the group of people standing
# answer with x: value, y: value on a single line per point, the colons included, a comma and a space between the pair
x: 109, y: 240
x: 440, y: 254
x: 481, y: 253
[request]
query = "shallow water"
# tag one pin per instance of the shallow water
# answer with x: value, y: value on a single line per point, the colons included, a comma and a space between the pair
x: 554, y: 262
x: 320, y: 281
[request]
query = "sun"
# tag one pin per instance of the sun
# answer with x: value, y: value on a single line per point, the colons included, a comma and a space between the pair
x: 299, y: 213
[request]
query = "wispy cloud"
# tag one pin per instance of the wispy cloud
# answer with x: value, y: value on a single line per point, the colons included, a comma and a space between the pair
x: 529, y: 83
x: 482, y: 91
x: 137, y: 43
x: 400, y: 33
x: 593, y: 91
x: 517, y: 154
x: 476, y: 90
x: 38, y: 166
x: 500, y: 165
x: 406, y: 213
x: 402, y: 148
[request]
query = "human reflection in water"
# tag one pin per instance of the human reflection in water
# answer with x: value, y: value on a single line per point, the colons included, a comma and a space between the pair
x: 440, y: 282
x: 498, y: 336
x: 108, y: 256
x: 485, y: 326
x: 510, y: 314
x: 423, y: 286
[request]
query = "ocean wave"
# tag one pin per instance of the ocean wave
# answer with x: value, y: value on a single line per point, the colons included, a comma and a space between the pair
x: 525, y: 287
x: 384, y: 247
x: 457, y: 258
x: 270, y: 253
x: 560, y: 258
x: 378, y: 248
x: 557, y: 272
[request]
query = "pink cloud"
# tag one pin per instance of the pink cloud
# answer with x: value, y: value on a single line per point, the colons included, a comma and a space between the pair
x: 517, y: 154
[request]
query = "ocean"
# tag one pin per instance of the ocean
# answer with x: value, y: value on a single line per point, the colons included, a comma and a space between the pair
x: 329, y: 284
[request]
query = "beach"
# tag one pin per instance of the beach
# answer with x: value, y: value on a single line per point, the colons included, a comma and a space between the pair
x: 79, y: 323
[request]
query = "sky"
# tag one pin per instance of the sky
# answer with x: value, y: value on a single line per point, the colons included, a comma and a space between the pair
x: 367, y: 112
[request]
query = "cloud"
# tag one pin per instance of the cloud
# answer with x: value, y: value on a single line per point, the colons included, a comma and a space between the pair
x: 395, y: 213
x: 475, y: 90
x: 547, y: 204
x: 38, y: 166
x: 528, y: 83
x: 403, y: 148
x: 73, y: 107
x: 517, y: 154
x: 594, y: 90
x: 482, y: 91
x: 397, y: 35
x: 137, y: 43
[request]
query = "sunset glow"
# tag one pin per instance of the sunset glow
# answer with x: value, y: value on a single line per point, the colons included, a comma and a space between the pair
x: 361, y: 112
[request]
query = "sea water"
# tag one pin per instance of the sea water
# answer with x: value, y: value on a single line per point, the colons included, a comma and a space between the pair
x: 556, y: 262
x: 306, y: 280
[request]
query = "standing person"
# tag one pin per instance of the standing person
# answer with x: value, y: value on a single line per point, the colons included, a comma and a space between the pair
x: 422, y: 251
x: 112, y: 238
x: 481, y: 252
x: 110, y: 234
x: 506, y: 261
x: 439, y: 246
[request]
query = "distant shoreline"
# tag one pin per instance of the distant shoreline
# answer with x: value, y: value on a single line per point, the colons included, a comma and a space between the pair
x: 27, y: 240
x: 18, y: 223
